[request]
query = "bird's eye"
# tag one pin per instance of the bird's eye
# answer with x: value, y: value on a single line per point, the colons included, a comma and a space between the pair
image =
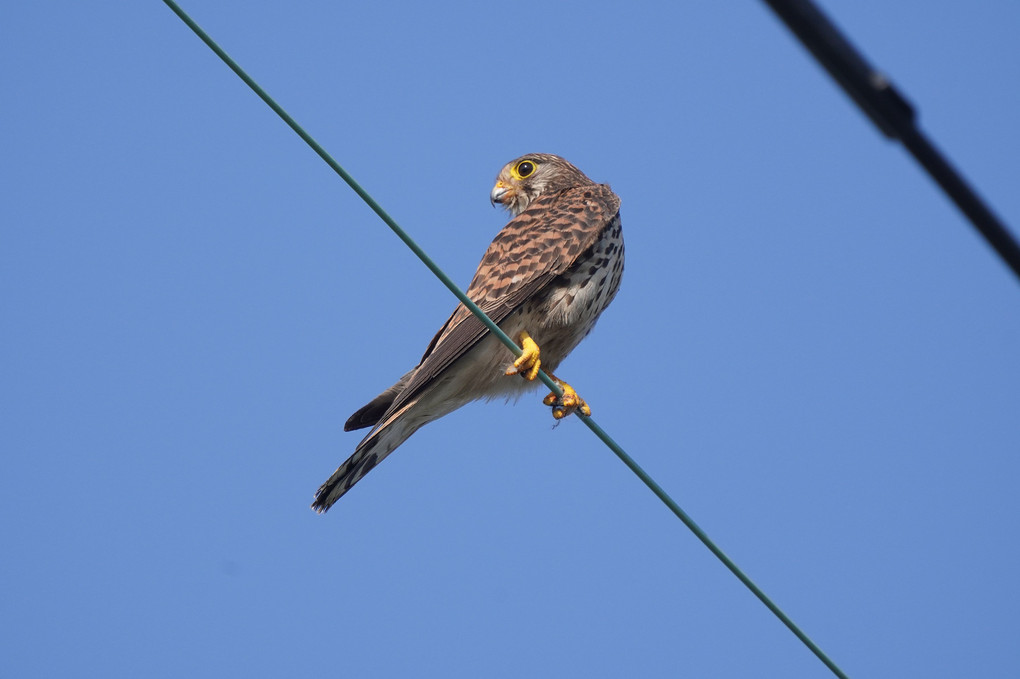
x: 524, y: 169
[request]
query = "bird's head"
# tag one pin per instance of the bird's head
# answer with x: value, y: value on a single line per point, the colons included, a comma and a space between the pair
x: 528, y: 177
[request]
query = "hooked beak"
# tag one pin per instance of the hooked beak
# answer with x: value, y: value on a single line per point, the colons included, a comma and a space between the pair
x: 500, y: 193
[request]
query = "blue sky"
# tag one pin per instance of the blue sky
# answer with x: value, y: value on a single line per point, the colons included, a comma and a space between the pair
x: 811, y: 350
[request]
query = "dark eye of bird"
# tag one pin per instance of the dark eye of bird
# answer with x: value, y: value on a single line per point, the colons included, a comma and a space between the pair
x: 525, y: 168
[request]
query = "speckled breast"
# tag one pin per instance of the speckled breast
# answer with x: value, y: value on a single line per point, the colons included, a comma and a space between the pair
x: 574, y: 301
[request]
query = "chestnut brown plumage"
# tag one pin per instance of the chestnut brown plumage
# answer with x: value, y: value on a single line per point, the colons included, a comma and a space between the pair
x: 545, y: 279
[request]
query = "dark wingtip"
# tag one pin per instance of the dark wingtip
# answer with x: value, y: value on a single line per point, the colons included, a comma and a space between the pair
x: 354, y: 423
x: 369, y: 414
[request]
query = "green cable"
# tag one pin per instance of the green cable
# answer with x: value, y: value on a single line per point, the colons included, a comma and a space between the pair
x: 495, y: 329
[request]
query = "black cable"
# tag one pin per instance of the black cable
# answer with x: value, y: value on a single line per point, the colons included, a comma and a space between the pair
x: 893, y: 115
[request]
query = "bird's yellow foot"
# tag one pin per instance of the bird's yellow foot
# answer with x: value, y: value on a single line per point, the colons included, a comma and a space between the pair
x: 566, y: 404
x: 528, y: 364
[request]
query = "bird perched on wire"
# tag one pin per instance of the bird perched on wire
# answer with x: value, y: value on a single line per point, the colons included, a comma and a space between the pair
x: 545, y: 279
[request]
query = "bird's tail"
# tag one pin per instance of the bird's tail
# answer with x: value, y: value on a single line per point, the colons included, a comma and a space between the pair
x: 379, y: 443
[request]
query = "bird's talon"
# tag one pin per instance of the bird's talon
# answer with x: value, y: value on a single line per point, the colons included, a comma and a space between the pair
x: 566, y: 404
x: 529, y: 363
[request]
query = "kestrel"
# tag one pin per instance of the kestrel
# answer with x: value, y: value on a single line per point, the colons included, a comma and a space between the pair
x: 545, y: 279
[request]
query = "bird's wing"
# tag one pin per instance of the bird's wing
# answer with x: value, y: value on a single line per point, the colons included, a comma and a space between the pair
x: 534, y: 248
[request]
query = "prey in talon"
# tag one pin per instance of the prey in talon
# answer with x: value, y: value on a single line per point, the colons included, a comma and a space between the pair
x: 545, y: 279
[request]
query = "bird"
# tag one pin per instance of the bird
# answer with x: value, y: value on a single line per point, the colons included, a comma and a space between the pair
x: 544, y: 280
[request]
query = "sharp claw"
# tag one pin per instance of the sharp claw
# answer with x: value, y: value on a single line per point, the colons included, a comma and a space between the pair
x: 533, y: 373
x: 527, y: 366
x: 529, y: 363
x: 566, y: 404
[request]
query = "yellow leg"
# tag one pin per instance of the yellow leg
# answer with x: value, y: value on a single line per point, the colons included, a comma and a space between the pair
x: 528, y: 364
